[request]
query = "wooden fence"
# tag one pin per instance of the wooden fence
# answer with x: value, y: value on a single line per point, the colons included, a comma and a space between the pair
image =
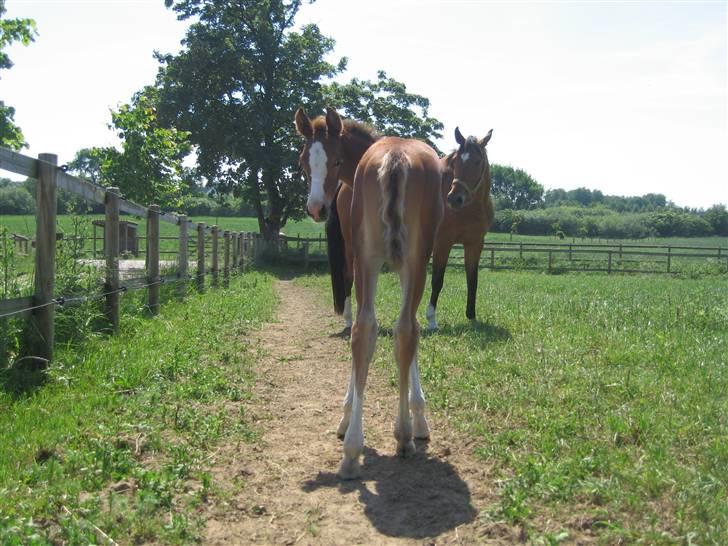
x: 553, y: 257
x: 237, y: 249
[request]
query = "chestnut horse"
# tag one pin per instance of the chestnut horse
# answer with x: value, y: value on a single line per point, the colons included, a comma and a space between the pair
x: 395, y: 211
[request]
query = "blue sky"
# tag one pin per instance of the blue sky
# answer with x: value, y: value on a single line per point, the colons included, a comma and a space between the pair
x: 625, y: 97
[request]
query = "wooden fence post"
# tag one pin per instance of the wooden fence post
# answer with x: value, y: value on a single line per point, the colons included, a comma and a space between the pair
x: 45, y: 257
x: 226, y: 258
x: 182, y: 264
x: 201, y: 256
x: 111, y: 248
x: 242, y: 241
x: 550, y: 260
x: 234, y: 245
x: 609, y: 264
x: 669, y: 258
x: 492, y: 257
x: 153, y: 258
x: 215, y: 262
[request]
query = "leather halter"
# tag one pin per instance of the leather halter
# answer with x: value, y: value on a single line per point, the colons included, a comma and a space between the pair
x: 470, y: 192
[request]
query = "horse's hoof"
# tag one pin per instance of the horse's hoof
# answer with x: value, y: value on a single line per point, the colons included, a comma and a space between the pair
x: 406, y: 450
x: 349, y: 470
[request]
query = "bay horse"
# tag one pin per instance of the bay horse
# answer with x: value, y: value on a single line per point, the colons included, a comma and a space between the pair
x: 395, y: 211
x: 466, y: 220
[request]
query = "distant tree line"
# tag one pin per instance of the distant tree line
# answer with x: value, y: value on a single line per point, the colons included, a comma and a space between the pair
x: 522, y: 206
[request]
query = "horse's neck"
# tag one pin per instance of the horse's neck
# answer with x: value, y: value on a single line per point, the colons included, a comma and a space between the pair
x: 353, y: 148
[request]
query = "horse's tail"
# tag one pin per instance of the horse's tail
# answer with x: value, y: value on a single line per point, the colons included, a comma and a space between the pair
x: 337, y: 256
x: 393, y: 181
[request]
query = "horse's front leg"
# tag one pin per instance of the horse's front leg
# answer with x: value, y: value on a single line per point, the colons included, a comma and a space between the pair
x: 439, y: 263
x: 472, y: 262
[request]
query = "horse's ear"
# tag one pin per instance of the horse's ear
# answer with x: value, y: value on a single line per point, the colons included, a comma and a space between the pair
x: 333, y: 122
x: 303, y: 124
x: 486, y: 139
x: 459, y: 137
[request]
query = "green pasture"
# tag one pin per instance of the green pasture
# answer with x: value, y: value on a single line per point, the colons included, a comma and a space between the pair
x: 600, y: 402
x: 25, y: 225
x: 138, y: 413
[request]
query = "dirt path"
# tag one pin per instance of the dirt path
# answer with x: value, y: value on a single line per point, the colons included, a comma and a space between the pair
x: 284, y: 488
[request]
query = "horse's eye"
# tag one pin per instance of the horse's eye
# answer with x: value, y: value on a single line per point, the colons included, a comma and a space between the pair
x: 337, y: 163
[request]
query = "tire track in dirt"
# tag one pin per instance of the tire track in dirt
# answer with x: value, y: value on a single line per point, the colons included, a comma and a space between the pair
x: 283, y: 489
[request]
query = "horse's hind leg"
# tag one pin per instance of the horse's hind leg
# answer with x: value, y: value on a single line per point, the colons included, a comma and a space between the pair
x: 348, y: 400
x: 406, y: 337
x: 363, y: 340
x: 420, y: 427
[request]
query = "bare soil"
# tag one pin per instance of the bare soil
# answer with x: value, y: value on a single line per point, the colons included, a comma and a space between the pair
x: 283, y: 488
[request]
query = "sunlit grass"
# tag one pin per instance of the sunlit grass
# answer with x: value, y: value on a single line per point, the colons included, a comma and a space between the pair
x: 119, y: 431
x: 597, y: 399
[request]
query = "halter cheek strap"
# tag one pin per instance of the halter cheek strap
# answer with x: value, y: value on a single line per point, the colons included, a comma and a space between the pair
x: 464, y: 186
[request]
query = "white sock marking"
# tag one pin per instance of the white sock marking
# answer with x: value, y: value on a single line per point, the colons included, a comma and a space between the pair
x: 431, y: 319
x: 347, y: 312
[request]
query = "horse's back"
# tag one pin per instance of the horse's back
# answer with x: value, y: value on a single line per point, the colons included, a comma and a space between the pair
x: 422, y: 205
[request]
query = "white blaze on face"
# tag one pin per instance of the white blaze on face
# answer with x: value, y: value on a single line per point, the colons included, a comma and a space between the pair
x: 317, y: 161
x: 465, y: 157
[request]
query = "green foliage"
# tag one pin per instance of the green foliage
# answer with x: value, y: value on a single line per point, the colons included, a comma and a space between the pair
x: 15, y: 199
x: 717, y: 217
x: 88, y: 163
x: 241, y: 75
x: 387, y: 106
x: 514, y: 188
x: 149, y: 168
x: 599, y: 221
x: 12, y: 30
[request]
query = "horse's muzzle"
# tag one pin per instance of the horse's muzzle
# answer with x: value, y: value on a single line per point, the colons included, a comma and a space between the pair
x: 455, y: 201
x: 318, y: 214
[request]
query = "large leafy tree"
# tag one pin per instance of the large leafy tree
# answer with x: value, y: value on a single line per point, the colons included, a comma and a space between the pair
x: 514, y: 188
x: 387, y: 106
x: 12, y: 30
x: 241, y: 75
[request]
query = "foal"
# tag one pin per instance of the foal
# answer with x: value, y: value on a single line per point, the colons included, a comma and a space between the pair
x: 395, y: 211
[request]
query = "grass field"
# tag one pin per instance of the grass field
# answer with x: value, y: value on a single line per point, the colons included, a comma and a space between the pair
x: 25, y: 225
x: 119, y: 433
x: 596, y: 399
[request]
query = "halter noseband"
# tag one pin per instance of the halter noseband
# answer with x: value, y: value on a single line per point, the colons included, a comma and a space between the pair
x: 458, y: 182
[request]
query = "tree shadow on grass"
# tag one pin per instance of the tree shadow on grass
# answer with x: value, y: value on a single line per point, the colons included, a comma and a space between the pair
x: 419, y: 497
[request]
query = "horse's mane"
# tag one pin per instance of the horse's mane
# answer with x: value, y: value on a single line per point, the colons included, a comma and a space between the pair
x: 355, y: 129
